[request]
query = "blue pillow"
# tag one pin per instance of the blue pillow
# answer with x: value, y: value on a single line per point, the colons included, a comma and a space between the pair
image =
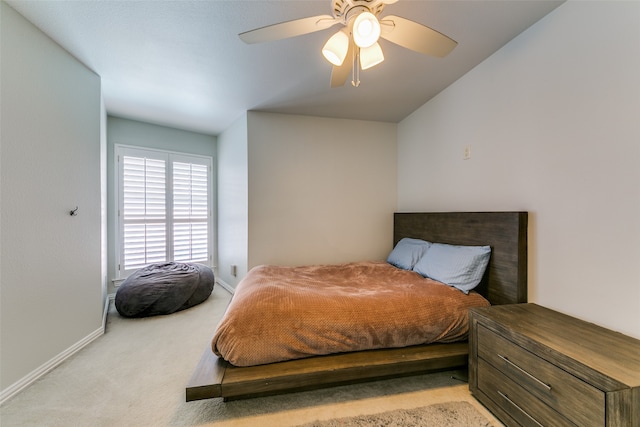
x: 459, y: 266
x: 407, y: 253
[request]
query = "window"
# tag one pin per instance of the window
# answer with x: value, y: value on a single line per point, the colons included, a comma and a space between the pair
x: 164, y: 208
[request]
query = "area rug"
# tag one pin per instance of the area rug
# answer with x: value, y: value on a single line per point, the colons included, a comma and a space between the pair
x: 450, y: 414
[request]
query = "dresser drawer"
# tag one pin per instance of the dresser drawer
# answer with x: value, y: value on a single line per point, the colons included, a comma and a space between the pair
x: 578, y: 401
x: 516, y: 401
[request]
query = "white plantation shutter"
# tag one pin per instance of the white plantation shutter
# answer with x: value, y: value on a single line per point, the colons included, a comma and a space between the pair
x: 143, y: 211
x: 164, y: 208
x: 190, y: 212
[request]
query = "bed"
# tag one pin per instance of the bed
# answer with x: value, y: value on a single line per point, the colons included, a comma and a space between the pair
x: 504, y: 282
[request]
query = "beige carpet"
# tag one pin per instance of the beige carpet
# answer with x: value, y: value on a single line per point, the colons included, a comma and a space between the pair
x: 135, y: 375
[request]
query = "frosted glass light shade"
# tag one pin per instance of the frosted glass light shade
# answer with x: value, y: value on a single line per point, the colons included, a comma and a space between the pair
x: 370, y: 56
x: 366, y: 29
x: 335, y: 49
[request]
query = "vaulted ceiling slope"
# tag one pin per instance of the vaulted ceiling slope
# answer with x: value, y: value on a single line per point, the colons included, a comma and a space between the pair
x: 182, y: 64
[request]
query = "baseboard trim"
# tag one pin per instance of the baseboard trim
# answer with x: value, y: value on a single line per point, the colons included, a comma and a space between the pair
x: 26, y: 381
x: 227, y: 287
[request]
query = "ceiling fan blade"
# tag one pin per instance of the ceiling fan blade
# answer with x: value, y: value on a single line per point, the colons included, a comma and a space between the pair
x: 340, y: 74
x: 283, y: 30
x: 416, y: 37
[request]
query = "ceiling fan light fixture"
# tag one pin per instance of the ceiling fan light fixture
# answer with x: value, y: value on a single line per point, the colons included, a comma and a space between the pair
x: 335, y: 49
x: 358, y: 38
x: 366, y: 29
x: 371, y: 56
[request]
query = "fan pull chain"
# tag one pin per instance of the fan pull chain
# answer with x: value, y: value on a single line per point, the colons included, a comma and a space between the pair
x: 355, y: 78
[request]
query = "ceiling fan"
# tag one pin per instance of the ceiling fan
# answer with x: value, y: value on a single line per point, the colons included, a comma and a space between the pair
x: 355, y: 46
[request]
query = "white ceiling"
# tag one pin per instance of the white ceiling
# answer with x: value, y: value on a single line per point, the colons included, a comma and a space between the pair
x: 181, y: 63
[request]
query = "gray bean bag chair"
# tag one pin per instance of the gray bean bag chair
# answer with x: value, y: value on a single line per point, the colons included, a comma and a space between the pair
x: 164, y: 288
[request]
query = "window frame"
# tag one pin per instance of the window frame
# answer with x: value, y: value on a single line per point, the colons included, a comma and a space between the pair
x: 169, y: 157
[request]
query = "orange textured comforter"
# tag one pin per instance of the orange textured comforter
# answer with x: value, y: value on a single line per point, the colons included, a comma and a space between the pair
x: 284, y: 313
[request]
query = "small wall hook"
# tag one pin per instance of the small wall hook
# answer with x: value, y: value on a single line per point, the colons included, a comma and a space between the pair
x: 74, y: 212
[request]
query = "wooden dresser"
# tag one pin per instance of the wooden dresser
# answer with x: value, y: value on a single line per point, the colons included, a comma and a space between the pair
x: 533, y: 366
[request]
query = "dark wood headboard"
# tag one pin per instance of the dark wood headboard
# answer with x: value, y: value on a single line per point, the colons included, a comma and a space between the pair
x: 505, y: 281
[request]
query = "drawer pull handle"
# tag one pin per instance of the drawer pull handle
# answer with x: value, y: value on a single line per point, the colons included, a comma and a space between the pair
x: 546, y: 386
x: 519, y: 408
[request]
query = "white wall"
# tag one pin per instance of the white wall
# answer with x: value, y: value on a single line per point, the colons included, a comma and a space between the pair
x: 141, y: 134
x: 233, y: 202
x: 554, y: 127
x: 104, y: 230
x: 51, y: 284
x: 321, y: 190
x: 298, y: 190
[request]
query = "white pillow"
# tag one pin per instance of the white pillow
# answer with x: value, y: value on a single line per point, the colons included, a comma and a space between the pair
x: 407, y: 253
x: 459, y: 266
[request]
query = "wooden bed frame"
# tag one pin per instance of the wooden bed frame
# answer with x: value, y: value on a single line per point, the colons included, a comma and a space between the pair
x: 505, y: 282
